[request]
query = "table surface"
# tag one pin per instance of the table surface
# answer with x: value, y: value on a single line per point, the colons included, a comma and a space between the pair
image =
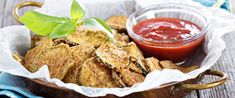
x: 226, y: 63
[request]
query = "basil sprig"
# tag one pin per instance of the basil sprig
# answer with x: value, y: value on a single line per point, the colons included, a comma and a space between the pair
x: 55, y: 27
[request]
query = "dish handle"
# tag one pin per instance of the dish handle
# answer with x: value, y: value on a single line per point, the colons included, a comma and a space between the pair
x: 222, y: 75
x: 16, y: 9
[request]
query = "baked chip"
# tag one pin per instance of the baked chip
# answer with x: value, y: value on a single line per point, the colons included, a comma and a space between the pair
x: 152, y: 64
x: 133, y: 50
x: 118, y: 79
x: 130, y: 78
x: 35, y: 39
x: 117, y: 22
x: 80, y: 54
x: 39, y: 40
x: 89, y: 37
x: 133, y: 66
x: 58, y: 58
x: 119, y: 58
x: 31, y: 57
x: 188, y: 69
x: 94, y: 74
x: 122, y: 61
x: 65, y: 41
x: 170, y: 65
x: 135, y: 55
x: 121, y: 38
x: 112, y: 56
x: 127, y: 77
x: 18, y: 58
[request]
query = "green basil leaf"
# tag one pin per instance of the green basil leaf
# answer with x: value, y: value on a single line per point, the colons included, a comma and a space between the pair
x: 76, y: 11
x: 62, y: 30
x: 42, y: 24
x: 103, y: 26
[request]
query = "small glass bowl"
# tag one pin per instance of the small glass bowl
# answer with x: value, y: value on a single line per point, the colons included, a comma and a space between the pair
x: 175, y: 50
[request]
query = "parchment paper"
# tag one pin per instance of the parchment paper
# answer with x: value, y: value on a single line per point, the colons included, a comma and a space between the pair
x: 17, y: 38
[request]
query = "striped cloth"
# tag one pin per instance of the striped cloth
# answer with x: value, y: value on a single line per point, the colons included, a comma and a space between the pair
x: 13, y: 87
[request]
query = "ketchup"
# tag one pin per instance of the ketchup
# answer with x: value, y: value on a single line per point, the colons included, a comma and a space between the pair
x: 165, y: 29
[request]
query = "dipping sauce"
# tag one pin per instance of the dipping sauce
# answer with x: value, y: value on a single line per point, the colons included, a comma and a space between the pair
x: 171, y: 38
x: 166, y: 29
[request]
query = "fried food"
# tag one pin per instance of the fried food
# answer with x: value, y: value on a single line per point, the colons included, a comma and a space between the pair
x: 134, y: 66
x: 121, y: 38
x: 170, y: 65
x: 118, y: 79
x: 188, y: 69
x: 96, y: 37
x: 35, y: 39
x: 133, y: 50
x: 31, y: 57
x: 135, y: 56
x: 94, y: 74
x: 153, y: 64
x: 58, y: 58
x: 119, y: 59
x: 117, y: 23
x: 39, y: 40
x: 127, y: 77
x: 112, y: 56
x: 65, y: 41
x: 130, y: 78
x: 18, y: 58
x: 80, y: 54
x: 89, y: 37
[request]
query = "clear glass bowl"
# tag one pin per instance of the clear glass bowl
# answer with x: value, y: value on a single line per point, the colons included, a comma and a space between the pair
x: 175, y: 50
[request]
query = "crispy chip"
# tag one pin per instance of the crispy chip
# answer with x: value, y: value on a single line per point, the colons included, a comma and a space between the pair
x: 118, y: 79
x: 117, y: 22
x: 121, y: 38
x: 170, y: 65
x: 152, y: 64
x: 80, y: 54
x: 130, y: 78
x: 89, y: 37
x: 39, y: 40
x: 189, y: 69
x: 136, y: 55
x: 58, y: 41
x: 112, y: 56
x: 120, y: 60
x: 93, y: 74
x: 58, y: 58
x: 133, y: 50
x: 17, y: 57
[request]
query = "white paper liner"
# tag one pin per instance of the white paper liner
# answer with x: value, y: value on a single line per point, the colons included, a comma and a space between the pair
x: 17, y: 38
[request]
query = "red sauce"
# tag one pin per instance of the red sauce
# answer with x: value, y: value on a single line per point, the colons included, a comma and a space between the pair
x: 162, y: 29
